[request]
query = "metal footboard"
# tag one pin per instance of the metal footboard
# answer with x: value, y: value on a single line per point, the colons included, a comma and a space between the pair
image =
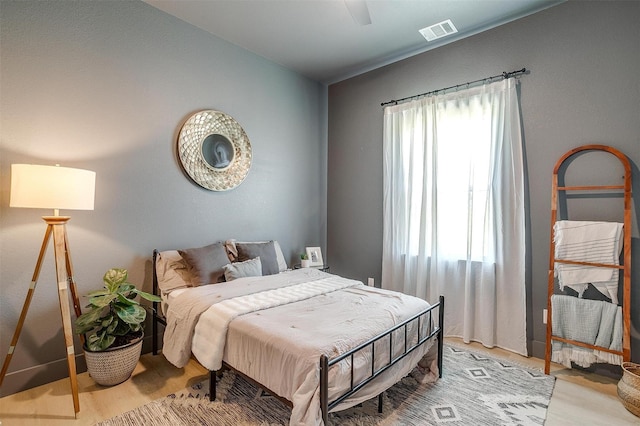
x: 434, y: 330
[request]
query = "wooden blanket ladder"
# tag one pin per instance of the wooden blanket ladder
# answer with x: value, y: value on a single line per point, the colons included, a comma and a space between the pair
x: 592, y: 191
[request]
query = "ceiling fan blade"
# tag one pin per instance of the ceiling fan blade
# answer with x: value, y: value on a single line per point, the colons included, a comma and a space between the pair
x: 359, y: 11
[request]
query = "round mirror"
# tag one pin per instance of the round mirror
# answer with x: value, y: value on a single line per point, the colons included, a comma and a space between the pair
x: 214, y: 150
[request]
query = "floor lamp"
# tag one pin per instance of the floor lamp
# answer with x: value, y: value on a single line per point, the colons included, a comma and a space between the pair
x: 53, y: 187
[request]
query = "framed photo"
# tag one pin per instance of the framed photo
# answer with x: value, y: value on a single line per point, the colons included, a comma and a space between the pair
x: 315, y: 256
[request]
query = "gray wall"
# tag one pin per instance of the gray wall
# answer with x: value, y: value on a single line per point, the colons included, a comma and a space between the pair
x: 106, y: 86
x: 583, y: 89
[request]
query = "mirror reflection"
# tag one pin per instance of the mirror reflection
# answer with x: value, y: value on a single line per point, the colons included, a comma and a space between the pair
x: 217, y: 151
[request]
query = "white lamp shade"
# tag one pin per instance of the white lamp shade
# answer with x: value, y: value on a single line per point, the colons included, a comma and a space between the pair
x: 52, y: 187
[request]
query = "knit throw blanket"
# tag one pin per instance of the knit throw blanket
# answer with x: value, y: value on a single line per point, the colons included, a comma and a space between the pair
x: 589, y: 321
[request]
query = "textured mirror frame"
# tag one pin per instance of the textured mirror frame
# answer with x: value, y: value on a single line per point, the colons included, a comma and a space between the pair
x: 214, y: 150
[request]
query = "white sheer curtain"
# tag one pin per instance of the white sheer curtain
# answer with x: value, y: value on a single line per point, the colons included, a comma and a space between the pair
x: 454, y: 210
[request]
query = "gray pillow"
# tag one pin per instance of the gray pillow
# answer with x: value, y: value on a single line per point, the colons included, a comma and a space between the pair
x: 206, y: 264
x: 248, y: 268
x: 265, y: 251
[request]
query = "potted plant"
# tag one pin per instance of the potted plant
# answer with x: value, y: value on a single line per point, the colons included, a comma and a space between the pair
x: 113, y: 328
x: 304, y: 261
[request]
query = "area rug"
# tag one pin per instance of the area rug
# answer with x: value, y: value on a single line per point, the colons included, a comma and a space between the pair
x: 475, y: 389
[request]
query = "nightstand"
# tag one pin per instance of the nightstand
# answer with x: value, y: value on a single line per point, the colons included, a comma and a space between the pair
x: 323, y: 268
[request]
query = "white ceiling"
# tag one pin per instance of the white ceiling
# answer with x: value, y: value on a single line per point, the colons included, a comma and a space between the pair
x: 321, y: 40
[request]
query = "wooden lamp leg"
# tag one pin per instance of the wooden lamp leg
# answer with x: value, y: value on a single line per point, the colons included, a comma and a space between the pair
x: 64, y: 275
x: 27, y: 303
x: 60, y: 244
x: 72, y: 281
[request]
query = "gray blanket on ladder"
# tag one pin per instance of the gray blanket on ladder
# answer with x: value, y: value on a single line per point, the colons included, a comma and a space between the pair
x: 589, y: 321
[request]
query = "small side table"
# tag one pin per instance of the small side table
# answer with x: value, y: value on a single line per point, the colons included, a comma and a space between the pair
x: 323, y: 268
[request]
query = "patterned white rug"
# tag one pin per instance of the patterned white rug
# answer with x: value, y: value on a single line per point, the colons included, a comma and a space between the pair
x: 475, y: 389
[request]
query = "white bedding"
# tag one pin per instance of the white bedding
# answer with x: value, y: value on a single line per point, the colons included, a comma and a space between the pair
x: 210, y: 335
x: 280, y: 346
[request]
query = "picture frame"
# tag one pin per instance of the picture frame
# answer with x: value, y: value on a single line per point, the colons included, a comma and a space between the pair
x: 314, y: 254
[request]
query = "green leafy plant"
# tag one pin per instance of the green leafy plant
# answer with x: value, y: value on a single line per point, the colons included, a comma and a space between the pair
x: 304, y: 256
x: 114, y: 317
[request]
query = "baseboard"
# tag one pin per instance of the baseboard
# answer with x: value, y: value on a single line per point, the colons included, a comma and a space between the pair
x: 18, y: 381
x: 537, y: 349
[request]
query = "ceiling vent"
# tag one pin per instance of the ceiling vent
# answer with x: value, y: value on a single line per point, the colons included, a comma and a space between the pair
x: 439, y: 30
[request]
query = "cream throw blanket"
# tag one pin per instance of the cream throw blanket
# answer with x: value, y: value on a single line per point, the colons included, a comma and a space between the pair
x: 589, y: 321
x: 597, y: 242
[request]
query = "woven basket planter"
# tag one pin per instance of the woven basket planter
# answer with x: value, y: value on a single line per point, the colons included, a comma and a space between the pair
x: 113, y: 366
x: 629, y: 387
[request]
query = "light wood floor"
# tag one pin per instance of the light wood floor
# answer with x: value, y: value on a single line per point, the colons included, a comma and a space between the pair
x: 578, y: 398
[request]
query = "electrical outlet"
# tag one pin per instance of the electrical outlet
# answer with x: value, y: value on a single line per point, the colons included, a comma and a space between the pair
x: 544, y: 316
x: 370, y: 282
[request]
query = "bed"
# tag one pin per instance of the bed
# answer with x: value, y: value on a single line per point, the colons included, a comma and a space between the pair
x: 317, y: 341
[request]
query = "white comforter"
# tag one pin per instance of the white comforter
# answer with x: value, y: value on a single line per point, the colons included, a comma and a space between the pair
x: 280, y: 346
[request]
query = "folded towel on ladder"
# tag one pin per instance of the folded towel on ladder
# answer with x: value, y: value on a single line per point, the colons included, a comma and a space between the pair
x: 594, y: 322
x: 596, y: 242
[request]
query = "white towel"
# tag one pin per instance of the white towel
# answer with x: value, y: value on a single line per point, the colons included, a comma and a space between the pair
x: 594, y: 322
x: 597, y: 242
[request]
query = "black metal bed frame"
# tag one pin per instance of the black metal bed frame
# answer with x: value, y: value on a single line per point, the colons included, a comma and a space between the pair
x: 423, y: 319
x: 157, y: 319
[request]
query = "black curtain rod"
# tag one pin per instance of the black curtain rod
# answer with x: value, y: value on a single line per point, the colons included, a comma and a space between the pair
x: 504, y: 75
